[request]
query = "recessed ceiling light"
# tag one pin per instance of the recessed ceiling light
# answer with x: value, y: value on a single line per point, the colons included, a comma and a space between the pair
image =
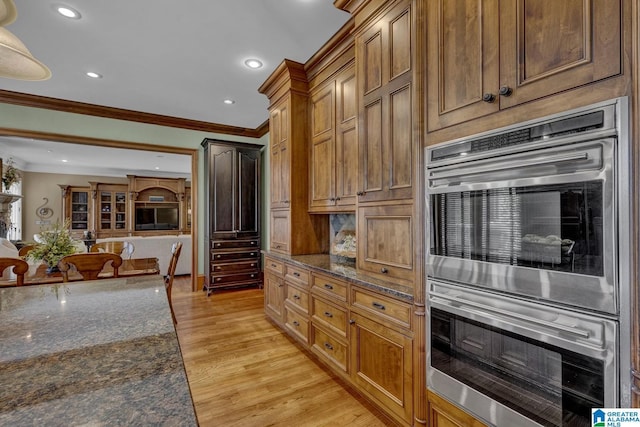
x: 229, y: 101
x: 94, y: 75
x: 64, y: 160
x: 157, y: 168
x: 253, y: 63
x: 68, y: 12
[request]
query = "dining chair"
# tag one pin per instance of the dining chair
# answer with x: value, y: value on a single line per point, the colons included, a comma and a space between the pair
x: 176, y: 248
x: 24, y: 251
x: 123, y: 248
x: 89, y: 264
x: 20, y: 268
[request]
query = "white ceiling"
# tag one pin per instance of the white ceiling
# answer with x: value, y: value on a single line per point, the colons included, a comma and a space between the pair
x: 179, y: 59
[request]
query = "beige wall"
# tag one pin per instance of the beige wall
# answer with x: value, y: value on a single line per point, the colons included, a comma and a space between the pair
x: 38, y: 186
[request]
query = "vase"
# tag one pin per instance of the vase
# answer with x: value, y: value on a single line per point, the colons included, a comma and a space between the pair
x: 53, y: 269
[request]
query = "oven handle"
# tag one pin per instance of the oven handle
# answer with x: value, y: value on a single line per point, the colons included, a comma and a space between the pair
x: 485, y: 308
x: 508, y: 165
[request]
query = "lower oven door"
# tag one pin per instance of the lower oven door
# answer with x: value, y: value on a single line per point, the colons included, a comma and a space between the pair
x: 511, y: 362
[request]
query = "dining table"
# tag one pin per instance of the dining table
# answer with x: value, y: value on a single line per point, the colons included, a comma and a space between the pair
x: 38, y: 273
x: 91, y: 353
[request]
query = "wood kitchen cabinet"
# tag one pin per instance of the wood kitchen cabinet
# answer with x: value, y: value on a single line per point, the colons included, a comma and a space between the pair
x: 334, y: 144
x: 385, y: 65
x: 287, y: 90
x: 486, y: 56
x: 442, y: 413
x: 381, y: 343
x: 233, y: 214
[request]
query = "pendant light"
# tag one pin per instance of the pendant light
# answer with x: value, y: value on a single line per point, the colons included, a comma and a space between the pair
x: 16, y: 62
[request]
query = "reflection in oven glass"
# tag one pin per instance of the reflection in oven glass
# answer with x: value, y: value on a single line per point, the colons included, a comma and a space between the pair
x: 553, y: 227
x: 550, y: 385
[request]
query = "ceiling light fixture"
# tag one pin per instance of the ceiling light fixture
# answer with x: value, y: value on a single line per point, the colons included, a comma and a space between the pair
x: 68, y: 12
x: 229, y: 101
x: 94, y: 75
x: 253, y: 63
x: 16, y: 62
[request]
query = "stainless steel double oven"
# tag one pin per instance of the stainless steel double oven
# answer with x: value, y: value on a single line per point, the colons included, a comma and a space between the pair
x: 528, y: 268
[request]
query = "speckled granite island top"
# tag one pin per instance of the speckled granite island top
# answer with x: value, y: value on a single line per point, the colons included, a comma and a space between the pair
x: 94, y: 353
x: 342, y: 269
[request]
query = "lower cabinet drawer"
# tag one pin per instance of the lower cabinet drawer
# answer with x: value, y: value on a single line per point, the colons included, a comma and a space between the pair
x: 393, y: 310
x: 224, y: 244
x: 297, y: 323
x: 274, y: 265
x: 333, y: 317
x: 228, y: 256
x: 232, y: 278
x: 329, y: 348
x: 235, y: 267
x: 298, y: 297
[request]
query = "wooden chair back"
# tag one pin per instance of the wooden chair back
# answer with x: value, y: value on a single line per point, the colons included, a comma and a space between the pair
x: 20, y: 268
x: 176, y: 248
x: 89, y: 264
x: 24, y: 251
x: 123, y: 248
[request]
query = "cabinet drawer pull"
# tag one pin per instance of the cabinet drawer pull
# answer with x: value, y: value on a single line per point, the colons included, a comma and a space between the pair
x: 328, y: 314
x: 218, y: 244
x: 328, y: 286
x: 296, y: 323
x: 253, y: 264
x: 378, y: 305
x: 328, y: 346
x: 296, y: 296
x: 252, y: 254
x: 384, y: 270
x: 295, y: 273
x: 253, y: 275
x: 273, y: 265
x: 253, y: 243
x: 219, y: 256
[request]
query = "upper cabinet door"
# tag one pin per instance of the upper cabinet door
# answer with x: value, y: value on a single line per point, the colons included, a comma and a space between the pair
x: 489, y: 55
x: 548, y: 46
x: 248, y: 194
x: 462, y: 60
x: 385, y: 69
x: 322, y: 179
x: 280, y: 155
x: 346, y: 149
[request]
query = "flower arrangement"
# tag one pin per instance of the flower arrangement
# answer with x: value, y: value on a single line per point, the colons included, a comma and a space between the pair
x: 54, y: 244
x: 11, y: 175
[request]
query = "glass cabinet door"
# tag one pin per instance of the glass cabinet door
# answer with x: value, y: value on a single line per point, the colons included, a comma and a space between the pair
x: 120, y: 210
x: 105, y: 210
x: 79, y: 210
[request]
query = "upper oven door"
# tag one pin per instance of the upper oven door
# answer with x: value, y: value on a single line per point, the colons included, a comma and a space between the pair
x: 537, y: 223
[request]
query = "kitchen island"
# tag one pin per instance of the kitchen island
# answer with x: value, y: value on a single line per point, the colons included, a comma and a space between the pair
x: 101, y: 352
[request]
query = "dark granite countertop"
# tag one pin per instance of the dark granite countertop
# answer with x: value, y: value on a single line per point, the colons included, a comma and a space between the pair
x: 344, y: 269
x: 96, y: 353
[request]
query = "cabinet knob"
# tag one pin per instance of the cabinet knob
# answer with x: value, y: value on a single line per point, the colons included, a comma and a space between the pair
x: 352, y: 322
x: 286, y: 201
x: 337, y: 198
x: 488, y: 97
x: 384, y: 270
x: 360, y: 193
x: 332, y: 199
x: 505, y: 91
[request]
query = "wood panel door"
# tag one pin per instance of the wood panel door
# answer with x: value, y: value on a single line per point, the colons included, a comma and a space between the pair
x: 382, y: 365
x: 385, y: 65
x: 549, y: 46
x: 322, y: 185
x: 274, y: 293
x: 280, y: 230
x: 462, y: 61
x: 346, y: 151
x: 441, y: 413
x: 386, y: 242
x: 280, y: 155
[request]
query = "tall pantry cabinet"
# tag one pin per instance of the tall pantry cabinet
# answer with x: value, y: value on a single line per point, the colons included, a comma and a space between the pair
x: 232, y: 212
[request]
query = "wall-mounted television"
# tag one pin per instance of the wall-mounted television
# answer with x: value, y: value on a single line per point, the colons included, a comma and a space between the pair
x: 157, y: 218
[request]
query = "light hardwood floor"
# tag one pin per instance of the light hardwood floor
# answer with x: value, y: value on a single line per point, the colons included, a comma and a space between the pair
x: 243, y: 371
